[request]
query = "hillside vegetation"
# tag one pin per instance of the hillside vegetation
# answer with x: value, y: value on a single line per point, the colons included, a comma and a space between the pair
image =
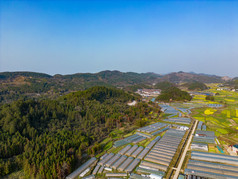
x: 195, y: 86
x: 233, y: 83
x: 47, y: 138
x: 18, y: 85
x: 173, y: 94
x: 189, y: 77
x: 164, y: 85
x: 28, y: 85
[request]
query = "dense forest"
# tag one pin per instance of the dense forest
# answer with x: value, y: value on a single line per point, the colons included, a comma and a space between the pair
x: 48, y: 138
x: 164, y: 85
x: 195, y: 86
x: 173, y: 94
x: 28, y: 85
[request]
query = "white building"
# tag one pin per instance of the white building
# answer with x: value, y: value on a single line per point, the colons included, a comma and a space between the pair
x: 182, y: 128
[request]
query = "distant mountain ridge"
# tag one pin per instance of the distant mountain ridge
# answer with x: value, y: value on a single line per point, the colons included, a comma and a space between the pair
x: 117, y: 77
x: 177, y: 77
x: 15, y: 85
x: 10, y: 75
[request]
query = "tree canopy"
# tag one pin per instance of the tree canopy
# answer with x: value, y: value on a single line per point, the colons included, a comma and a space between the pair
x: 195, y: 85
x: 173, y: 94
x: 164, y: 85
x: 47, y: 138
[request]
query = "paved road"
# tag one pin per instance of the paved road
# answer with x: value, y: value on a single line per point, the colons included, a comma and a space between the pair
x: 185, y: 151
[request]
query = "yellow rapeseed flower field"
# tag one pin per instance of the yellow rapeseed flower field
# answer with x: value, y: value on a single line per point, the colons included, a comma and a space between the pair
x: 209, y: 111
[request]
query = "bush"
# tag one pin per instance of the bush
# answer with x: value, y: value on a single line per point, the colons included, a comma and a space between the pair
x: 210, y: 98
x: 140, y: 123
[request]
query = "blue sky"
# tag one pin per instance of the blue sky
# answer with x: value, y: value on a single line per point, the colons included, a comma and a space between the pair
x: 142, y: 36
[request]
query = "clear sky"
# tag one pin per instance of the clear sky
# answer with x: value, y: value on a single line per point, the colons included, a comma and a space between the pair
x: 66, y: 37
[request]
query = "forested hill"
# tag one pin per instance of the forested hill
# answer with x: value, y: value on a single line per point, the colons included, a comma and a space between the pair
x: 107, y: 77
x: 114, y: 77
x: 48, y: 138
x: 12, y: 75
x: 16, y: 85
x: 189, y: 77
x: 101, y: 94
x: 195, y: 85
x: 164, y: 85
x: 173, y: 94
x: 233, y: 83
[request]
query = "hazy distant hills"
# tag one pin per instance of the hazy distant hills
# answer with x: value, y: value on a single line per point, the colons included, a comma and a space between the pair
x: 115, y: 78
x: 81, y: 80
x: 178, y: 77
x: 16, y: 85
